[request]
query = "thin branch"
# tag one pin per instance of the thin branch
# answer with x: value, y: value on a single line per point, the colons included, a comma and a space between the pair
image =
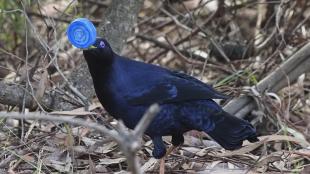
x: 61, y: 118
x: 287, y: 73
x: 146, y: 120
x: 194, y: 32
x: 128, y: 140
x: 181, y: 55
x: 116, y: 27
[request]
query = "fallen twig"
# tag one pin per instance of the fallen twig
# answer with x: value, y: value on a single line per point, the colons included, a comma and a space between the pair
x: 129, y: 141
x: 287, y: 73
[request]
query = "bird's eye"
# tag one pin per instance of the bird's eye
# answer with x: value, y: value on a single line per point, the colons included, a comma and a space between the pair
x: 101, y: 44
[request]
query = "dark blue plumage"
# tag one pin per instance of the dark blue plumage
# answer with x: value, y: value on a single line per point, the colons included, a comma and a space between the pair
x: 126, y: 88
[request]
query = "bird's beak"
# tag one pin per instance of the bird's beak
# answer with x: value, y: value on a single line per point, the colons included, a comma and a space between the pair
x: 89, y: 48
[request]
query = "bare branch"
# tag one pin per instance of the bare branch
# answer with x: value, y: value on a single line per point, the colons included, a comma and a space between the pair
x: 13, y: 95
x: 146, y: 120
x: 128, y: 140
x: 131, y: 143
x: 61, y: 118
x: 287, y: 73
x: 116, y: 28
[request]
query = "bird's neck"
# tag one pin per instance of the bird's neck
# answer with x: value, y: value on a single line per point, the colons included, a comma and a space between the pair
x: 101, y: 70
x: 99, y: 67
x: 105, y: 79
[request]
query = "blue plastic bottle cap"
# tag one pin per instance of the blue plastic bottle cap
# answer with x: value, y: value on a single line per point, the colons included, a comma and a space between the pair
x: 81, y: 33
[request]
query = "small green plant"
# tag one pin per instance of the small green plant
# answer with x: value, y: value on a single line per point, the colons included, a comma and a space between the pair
x: 12, y: 24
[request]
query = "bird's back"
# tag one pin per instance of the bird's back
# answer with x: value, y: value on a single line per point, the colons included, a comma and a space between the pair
x: 126, y: 88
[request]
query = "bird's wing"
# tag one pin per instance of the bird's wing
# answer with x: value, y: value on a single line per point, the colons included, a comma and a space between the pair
x: 175, y: 87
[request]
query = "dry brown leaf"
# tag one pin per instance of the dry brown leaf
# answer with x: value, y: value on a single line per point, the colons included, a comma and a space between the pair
x: 80, y: 131
x: 80, y: 150
x: 193, y: 150
x: 221, y: 170
x: 306, y: 170
x: 68, y: 163
x: 57, y: 165
x: 202, y: 152
x: 243, y: 150
x: 151, y: 164
x: 42, y: 85
x: 58, y: 159
x: 193, y: 141
x: 269, y: 138
x: 92, y: 167
x: 73, y: 113
x: 52, y: 8
x: 106, y: 148
x: 303, y: 152
x: 69, y: 141
x: 107, y: 161
x: 91, y: 107
x: 214, y: 163
x: 263, y: 163
x: 88, y: 141
x: 79, y: 111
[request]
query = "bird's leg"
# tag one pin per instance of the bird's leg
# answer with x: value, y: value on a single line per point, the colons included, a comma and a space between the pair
x: 159, y: 152
x: 176, y: 141
x: 162, y: 160
x: 162, y: 165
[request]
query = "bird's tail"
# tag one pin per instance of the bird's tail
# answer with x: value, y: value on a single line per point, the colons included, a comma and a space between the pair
x: 230, y: 132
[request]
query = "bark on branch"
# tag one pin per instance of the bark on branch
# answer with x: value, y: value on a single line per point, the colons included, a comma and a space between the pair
x: 284, y: 75
x: 116, y: 27
x: 129, y: 141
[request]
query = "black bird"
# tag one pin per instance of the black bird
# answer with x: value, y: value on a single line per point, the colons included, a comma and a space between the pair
x: 126, y: 88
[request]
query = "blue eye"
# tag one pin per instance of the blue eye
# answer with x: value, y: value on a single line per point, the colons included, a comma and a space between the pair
x: 101, y: 44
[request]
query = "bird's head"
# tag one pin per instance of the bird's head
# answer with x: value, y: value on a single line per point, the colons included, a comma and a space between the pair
x: 100, y: 50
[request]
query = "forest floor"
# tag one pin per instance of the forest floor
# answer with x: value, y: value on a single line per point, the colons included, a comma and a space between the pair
x: 191, y: 36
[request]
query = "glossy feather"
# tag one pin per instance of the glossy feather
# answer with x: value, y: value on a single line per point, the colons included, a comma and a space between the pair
x: 126, y: 88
